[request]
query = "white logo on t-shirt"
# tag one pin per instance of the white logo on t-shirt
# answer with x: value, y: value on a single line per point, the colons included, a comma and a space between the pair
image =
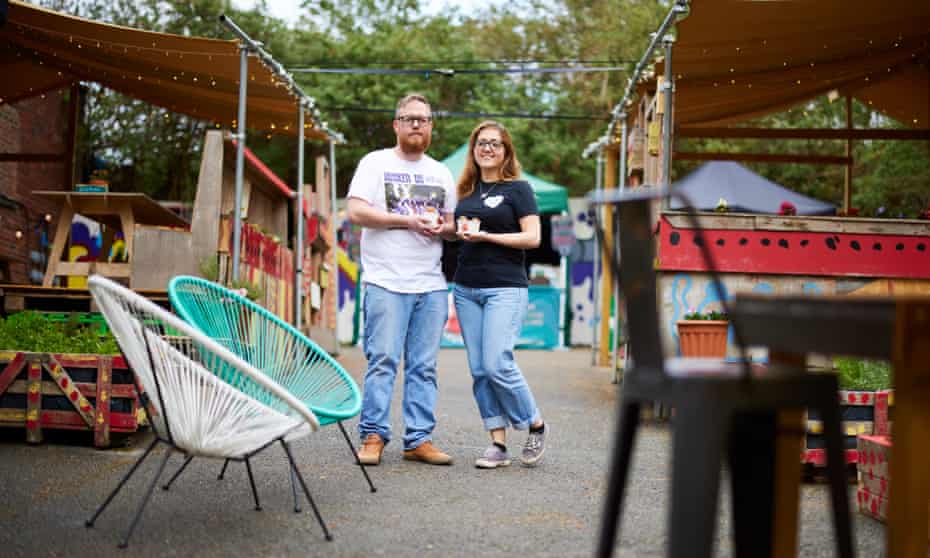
x: 493, y: 201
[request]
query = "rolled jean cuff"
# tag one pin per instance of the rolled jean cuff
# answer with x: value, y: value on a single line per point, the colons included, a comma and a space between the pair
x: 494, y: 423
x: 537, y: 417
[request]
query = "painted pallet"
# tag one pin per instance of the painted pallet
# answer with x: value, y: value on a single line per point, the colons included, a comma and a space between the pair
x: 862, y: 413
x: 94, y: 393
x: 873, y: 464
x: 874, y: 479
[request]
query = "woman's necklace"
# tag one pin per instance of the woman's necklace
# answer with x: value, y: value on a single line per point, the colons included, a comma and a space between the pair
x: 484, y: 195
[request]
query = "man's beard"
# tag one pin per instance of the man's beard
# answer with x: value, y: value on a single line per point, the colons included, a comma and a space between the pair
x: 415, y: 147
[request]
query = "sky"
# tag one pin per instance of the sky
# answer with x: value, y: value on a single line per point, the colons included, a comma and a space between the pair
x: 289, y: 10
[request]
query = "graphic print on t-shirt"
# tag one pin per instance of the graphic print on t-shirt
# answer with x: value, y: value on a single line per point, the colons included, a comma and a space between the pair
x: 411, y: 195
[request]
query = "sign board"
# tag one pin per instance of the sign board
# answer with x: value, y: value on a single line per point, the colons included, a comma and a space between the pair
x: 563, y: 234
x: 540, y: 329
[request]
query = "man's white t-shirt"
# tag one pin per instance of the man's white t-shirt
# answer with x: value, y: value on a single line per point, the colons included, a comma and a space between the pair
x: 401, y: 260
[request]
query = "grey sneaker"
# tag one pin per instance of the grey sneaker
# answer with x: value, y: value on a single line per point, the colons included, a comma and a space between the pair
x: 534, y: 448
x: 493, y: 458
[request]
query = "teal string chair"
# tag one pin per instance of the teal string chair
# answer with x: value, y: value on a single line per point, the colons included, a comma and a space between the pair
x: 274, y: 347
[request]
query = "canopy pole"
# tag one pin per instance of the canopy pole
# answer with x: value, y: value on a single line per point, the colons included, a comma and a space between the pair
x: 240, y: 155
x: 299, y: 249
x: 596, y: 319
x: 668, y: 86
x: 607, y: 279
x: 624, y: 146
x: 621, y: 185
x: 847, y: 183
x: 334, y: 282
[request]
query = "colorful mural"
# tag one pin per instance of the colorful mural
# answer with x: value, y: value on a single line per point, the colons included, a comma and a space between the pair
x: 584, y: 317
x: 681, y: 293
x: 348, y: 290
x: 86, y: 245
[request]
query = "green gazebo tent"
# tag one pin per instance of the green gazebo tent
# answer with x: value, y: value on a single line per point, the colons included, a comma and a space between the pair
x: 550, y: 197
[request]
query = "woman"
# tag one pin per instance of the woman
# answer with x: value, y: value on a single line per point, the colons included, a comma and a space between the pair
x: 491, y: 288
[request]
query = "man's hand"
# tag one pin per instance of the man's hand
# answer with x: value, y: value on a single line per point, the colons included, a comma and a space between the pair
x: 425, y: 226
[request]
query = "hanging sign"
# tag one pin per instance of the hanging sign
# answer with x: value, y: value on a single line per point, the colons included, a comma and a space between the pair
x: 563, y: 234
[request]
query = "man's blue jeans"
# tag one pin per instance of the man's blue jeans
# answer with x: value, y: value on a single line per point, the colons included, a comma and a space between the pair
x: 491, y: 320
x: 408, y: 325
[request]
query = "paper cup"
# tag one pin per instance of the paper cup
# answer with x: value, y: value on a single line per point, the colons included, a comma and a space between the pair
x: 432, y: 216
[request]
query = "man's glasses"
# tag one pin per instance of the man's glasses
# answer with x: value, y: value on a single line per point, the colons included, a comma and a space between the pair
x: 493, y: 144
x: 415, y: 120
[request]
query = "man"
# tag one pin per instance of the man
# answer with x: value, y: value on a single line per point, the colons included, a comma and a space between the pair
x: 404, y: 200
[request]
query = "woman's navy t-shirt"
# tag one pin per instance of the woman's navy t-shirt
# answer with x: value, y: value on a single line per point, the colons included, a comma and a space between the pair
x: 500, y: 206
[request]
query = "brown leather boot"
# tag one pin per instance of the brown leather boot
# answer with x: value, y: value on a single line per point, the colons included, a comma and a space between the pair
x: 427, y: 453
x: 370, y: 452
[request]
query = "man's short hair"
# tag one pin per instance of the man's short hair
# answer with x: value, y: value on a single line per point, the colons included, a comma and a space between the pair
x: 407, y: 99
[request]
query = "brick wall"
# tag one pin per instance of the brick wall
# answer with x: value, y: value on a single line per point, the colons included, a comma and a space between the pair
x: 36, y: 125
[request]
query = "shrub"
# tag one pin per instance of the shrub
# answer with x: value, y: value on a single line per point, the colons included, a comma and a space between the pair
x: 863, y: 375
x: 31, y: 331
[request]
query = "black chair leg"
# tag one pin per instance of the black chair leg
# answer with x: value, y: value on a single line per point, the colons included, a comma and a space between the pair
x: 627, y: 422
x: 90, y: 522
x: 836, y: 470
x: 303, y: 484
x: 223, y: 470
x: 700, y: 436
x: 177, y: 473
x: 355, y: 455
x: 145, y: 499
x: 752, y: 478
x: 294, y: 489
x: 248, y: 468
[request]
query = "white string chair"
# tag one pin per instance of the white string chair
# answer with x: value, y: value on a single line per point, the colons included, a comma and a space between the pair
x: 201, y: 399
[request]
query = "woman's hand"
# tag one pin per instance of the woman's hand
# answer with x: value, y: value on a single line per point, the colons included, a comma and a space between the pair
x: 477, y: 236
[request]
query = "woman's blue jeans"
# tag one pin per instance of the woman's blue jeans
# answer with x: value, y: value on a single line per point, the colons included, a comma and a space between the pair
x: 407, y: 325
x: 491, y: 320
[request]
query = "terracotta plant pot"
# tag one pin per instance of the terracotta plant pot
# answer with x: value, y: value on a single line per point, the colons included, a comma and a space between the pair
x: 703, y: 338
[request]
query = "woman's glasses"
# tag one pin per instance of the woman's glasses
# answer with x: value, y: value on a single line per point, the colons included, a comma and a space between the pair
x: 493, y: 144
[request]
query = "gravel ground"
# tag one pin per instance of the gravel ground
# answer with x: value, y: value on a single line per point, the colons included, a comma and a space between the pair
x: 552, y: 510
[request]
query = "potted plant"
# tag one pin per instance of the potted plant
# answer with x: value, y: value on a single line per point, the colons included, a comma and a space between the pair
x: 703, y: 334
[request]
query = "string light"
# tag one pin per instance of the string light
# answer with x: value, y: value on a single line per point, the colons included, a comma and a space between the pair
x: 276, y: 72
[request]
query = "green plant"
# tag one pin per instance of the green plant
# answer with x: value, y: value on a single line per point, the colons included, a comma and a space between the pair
x: 709, y: 315
x: 209, y: 270
x: 863, y: 375
x: 31, y: 331
x: 252, y: 292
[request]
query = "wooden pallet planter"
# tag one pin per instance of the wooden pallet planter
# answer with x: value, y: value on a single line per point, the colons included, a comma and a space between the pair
x: 874, y: 478
x: 862, y: 413
x: 94, y: 393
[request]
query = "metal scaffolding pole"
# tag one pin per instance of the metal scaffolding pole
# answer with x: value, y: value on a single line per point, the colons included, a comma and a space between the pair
x: 334, y: 282
x: 621, y: 185
x: 668, y: 85
x: 598, y: 185
x: 240, y: 158
x: 304, y: 103
x: 299, y: 249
